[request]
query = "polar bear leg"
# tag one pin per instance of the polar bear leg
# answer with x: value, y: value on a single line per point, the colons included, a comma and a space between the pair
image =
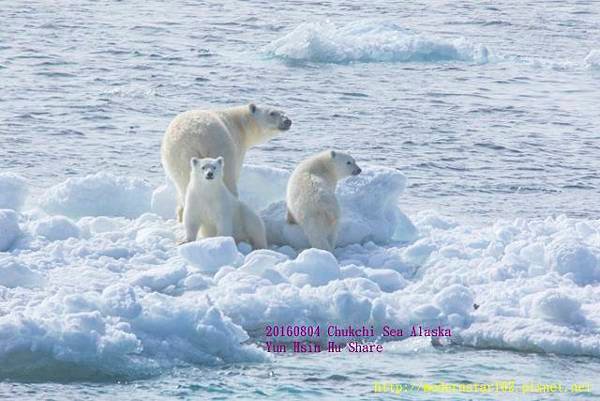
x: 179, y: 208
x: 332, y: 238
x: 207, y: 231
x: 178, y: 170
x: 191, y: 228
x: 318, y: 233
x: 253, y: 227
x: 231, y: 177
x: 290, y: 217
x: 224, y: 228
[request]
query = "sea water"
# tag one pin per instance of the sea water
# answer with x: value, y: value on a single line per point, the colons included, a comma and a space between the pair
x: 477, y: 126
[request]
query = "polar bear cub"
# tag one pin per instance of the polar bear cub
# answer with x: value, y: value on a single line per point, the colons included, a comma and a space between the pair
x: 226, y: 132
x: 214, y: 211
x: 311, y: 200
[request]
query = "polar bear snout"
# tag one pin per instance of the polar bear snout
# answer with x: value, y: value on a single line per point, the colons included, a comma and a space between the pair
x: 209, y: 175
x: 285, y: 123
x: 356, y: 171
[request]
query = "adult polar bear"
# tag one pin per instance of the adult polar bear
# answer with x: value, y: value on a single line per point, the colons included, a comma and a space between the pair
x: 226, y: 132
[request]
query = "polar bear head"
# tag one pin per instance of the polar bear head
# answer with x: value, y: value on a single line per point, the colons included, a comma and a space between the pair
x: 270, y: 119
x: 210, y: 170
x: 344, y: 165
x: 263, y: 123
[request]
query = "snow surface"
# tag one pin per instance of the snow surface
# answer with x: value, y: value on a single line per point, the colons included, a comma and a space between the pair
x: 116, y: 295
x: 9, y: 228
x: 13, y: 191
x: 101, y: 194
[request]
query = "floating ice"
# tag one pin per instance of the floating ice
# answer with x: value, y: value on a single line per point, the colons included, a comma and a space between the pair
x: 13, y: 191
x: 371, y: 42
x: 101, y: 194
x: 120, y: 298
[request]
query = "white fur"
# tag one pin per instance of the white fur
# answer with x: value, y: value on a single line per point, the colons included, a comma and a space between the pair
x: 228, y: 133
x: 311, y: 199
x: 213, y: 211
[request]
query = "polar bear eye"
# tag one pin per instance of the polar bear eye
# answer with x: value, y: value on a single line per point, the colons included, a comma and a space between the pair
x: 272, y: 114
x: 349, y: 163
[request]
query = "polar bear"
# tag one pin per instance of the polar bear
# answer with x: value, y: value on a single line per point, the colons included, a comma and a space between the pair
x: 212, y: 133
x: 310, y: 197
x: 211, y: 208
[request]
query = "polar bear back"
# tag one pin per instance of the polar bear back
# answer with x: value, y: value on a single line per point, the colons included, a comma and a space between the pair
x: 201, y: 133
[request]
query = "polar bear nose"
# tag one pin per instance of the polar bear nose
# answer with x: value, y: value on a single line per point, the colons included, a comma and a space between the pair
x: 286, y: 124
x: 357, y: 171
x: 210, y: 175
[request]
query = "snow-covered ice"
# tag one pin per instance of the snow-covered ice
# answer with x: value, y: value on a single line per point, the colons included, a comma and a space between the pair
x: 101, y: 194
x: 98, y: 282
x: 13, y: 191
x: 56, y: 228
x: 9, y: 228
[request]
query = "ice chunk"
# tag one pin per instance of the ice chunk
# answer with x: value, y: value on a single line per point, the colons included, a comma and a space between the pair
x: 555, y: 306
x: 370, y: 210
x: 260, y: 186
x: 388, y: 280
x: 369, y: 41
x: 9, y: 229
x: 312, y: 267
x: 164, y: 200
x: 575, y: 261
x: 120, y: 300
x: 262, y: 263
x: 13, y: 191
x: 454, y: 299
x: 15, y: 274
x: 196, y: 281
x: 56, y: 228
x: 101, y: 194
x: 209, y: 254
x: 159, y: 278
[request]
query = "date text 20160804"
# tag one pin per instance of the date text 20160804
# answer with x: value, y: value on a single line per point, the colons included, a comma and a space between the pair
x: 296, y: 338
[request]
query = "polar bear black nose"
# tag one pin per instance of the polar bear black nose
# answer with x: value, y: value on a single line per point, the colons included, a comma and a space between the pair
x: 286, y: 124
x: 357, y: 171
x: 210, y: 175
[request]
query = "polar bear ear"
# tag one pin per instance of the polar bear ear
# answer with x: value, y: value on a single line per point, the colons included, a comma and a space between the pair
x: 333, y: 154
x: 220, y: 160
x: 195, y: 161
x: 252, y: 108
